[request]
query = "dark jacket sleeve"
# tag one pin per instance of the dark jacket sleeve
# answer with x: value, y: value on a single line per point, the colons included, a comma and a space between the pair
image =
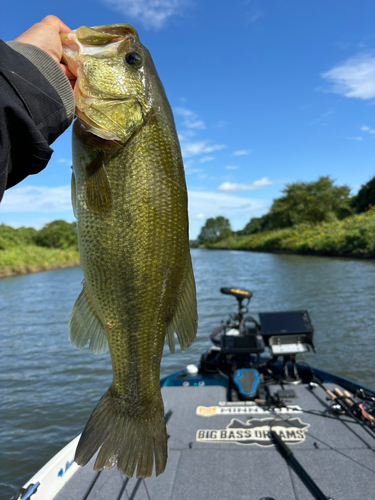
x: 36, y: 106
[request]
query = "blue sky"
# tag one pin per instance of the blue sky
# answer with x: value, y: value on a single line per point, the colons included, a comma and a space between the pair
x: 264, y: 92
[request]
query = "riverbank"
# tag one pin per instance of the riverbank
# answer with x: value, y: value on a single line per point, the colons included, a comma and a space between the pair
x: 32, y: 259
x: 351, y: 237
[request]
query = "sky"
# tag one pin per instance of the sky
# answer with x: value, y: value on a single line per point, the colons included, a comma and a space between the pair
x: 264, y: 93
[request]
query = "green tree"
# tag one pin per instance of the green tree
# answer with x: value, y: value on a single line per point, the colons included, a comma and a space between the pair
x: 9, y: 236
x: 215, y: 229
x: 311, y: 202
x: 58, y: 234
x: 365, y: 198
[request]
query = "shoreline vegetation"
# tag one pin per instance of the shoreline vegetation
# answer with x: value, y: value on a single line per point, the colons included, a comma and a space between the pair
x: 353, y: 236
x: 26, y: 250
x: 311, y: 218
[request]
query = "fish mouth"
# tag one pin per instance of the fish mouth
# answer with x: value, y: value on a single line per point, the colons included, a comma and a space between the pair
x: 94, y: 39
x: 97, y: 42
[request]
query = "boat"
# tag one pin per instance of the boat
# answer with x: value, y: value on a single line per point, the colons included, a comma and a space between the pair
x: 248, y: 421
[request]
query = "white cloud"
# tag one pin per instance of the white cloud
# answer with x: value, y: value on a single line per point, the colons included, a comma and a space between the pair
x: 151, y: 13
x: 231, y: 186
x: 65, y: 161
x: 359, y: 138
x: 193, y: 171
x: 190, y: 118
x: 229, y: 167
x: 254, y: 15
x: 354, y: 78
x: 36, y: 199
x: 365, y: 128
x: 204, y: 204
x: 241, y: 152
x: 206, y: 158
x: 190, y: 149
x: 323, y: 117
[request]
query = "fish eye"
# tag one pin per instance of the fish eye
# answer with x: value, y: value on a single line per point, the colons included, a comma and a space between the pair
x: 133, y: 58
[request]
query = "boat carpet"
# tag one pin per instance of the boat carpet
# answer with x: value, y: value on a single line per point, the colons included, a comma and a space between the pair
x: 228, y: 454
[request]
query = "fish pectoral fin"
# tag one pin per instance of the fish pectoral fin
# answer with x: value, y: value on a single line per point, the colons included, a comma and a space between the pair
x: 84, y: 325
x: 185, y: 319
x: 73, y: 194
x: 97, y: 187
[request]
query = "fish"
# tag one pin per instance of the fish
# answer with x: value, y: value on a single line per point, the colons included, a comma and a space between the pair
x: 129, y: 197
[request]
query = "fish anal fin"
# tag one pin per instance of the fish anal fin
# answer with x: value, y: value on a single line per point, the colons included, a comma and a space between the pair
x: 170, y: 337
x: 84, y: 325
x: 185, y: 319
x: 97, y: 187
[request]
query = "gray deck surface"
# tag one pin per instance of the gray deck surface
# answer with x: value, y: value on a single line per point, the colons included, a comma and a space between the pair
x: 338, y: 456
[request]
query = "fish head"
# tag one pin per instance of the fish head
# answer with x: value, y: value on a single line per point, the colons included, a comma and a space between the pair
x: 117, y: 84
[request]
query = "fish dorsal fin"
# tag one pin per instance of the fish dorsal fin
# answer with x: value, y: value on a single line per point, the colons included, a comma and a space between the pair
x: 185, y: 319
x: 73, y: 194
x: 97, y: 187
x: 84, y: 325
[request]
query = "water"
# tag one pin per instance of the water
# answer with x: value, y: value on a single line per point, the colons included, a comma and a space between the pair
x: 48, y: 389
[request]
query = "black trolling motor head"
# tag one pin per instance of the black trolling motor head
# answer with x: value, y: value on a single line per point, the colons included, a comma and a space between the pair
x: 241, y: 294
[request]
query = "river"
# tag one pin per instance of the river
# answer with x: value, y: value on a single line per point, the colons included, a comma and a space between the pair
x: 48, y: 389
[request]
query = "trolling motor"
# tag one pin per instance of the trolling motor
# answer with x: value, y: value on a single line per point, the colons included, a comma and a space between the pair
x: 240, y: 294
x: 239, y: 343
x: 241, y: 340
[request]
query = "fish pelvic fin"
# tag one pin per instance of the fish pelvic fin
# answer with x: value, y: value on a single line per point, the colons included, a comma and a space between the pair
x: 73, y: 194
x: 123, y: 438
x: 185, y: 319
x: 84, y: 325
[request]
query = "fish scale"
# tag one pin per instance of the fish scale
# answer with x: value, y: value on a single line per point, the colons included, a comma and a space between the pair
x: 130, y: 199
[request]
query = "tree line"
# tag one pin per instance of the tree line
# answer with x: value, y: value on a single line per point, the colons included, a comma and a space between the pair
x: 301, y: 203
x: 57, y: 234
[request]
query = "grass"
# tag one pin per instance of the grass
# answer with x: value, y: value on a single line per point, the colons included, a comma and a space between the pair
x: 23, y: 259
x: 352, y: 236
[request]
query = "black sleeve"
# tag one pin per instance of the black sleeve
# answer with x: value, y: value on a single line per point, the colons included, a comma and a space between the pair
x: 32, y: 116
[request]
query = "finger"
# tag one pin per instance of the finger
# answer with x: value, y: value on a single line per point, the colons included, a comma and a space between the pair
x: 67, y: 72
x: 55, y: 23
x: 72, y: 78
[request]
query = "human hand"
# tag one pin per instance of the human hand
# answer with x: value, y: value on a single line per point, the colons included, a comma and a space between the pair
x: 46, y: 36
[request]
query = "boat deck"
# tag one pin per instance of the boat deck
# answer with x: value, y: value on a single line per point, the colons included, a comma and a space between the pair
x: 224, y: 451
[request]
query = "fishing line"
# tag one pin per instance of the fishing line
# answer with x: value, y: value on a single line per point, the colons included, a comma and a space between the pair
x: 326, y: 415
x: 339, y: 452
x: 279, y: 417
x: 148, y: 495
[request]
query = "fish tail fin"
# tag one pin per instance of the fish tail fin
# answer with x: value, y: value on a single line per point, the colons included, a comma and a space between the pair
x: 123, y: 438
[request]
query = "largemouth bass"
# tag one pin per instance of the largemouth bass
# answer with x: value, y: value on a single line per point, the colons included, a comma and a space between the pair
x: 130, y: 200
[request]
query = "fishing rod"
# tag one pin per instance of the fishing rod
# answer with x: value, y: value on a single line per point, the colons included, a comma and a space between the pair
x: 301, y: 472
x: 339, y: 396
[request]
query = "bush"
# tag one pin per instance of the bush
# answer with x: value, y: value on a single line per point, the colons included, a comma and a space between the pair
x: 10, y: 237
x: 58, y: 234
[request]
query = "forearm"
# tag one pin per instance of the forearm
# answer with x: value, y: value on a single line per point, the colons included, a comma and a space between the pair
x: 36, y: 106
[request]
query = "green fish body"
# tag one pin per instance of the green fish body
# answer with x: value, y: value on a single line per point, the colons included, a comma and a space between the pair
x: 130, y: 200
